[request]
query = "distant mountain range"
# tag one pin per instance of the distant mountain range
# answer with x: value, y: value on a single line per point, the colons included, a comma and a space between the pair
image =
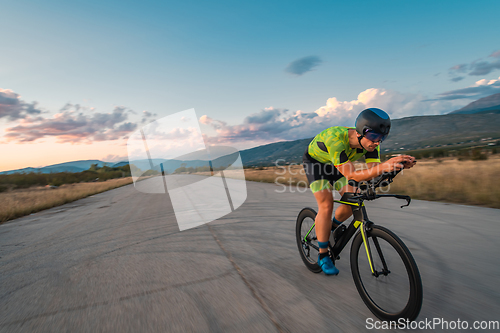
x: 76, y: 166
x: 486, y: 104
x: 476, y: 122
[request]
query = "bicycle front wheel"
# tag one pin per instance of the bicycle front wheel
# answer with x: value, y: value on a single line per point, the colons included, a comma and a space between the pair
x: 307, y: 242
x: 394, y: 290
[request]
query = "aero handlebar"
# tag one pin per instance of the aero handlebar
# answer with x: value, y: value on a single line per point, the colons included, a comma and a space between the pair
x: 367, y: 188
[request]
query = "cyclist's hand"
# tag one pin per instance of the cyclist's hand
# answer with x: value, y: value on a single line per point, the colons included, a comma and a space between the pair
x: 399, y: 162
x: 390, y: 166
x: 410, y: 163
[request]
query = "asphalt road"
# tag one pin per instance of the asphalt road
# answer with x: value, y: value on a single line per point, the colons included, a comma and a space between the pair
x: 116, y: 262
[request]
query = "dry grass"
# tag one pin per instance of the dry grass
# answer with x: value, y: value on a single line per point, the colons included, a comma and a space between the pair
x: 447, y: 180
x: 23, y: 202
x: 464, y: 182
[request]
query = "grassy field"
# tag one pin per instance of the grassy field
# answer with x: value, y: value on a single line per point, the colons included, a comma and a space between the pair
x: 447, y: 180
x: 17, y: 203
x: 463, y: 182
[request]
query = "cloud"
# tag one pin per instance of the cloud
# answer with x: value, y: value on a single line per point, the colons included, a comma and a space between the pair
x: 13, y: 108
x: 477, y: 67
x: 303, y: 65
x: 274, y: 124
x: 264, y: 116
x: 462, y: 68
x: 205, y: 120
x: 495, y: 54
x: 147, y: 116
x: 484, y: 67
x: 115, y: 158
x: 458, y: 78
x: 481, y: 88
x: 74, y: 126
x: 157, y: 133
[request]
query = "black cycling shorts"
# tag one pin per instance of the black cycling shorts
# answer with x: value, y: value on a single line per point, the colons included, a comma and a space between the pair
x: 319, y: 173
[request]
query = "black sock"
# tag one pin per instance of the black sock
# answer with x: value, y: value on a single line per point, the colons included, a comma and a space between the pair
x: 322, y: 255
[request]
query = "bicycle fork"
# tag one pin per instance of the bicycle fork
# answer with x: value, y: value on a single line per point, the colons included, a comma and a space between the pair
x: 365, y: 227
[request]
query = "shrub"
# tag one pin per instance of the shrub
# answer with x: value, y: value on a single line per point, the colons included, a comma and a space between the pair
x: 478, y: 155
x: 439, y: 153
x: 25, y: 180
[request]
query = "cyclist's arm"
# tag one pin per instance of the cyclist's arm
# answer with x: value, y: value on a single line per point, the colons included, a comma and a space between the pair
x: 372, y: 164
x: 349, y: 171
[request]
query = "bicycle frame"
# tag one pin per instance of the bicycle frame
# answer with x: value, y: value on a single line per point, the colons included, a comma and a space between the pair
x: 360, y: 218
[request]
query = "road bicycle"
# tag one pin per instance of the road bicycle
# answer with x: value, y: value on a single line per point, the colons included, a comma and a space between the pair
x: 384, y: 271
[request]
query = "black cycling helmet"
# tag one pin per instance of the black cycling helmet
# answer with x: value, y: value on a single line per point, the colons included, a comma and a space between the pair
x: 374, y: 124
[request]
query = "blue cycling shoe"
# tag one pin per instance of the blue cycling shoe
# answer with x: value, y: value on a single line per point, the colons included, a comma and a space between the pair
x: 327, y: 266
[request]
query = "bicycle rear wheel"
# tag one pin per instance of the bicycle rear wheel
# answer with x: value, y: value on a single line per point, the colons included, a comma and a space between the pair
x: 308, y: 245
x: 395, y: 290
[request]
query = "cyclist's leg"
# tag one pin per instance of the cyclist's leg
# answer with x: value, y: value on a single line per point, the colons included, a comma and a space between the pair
x: 320, y: 181
x: 321, y: 187
x: 323, y: 220
x: 319, y: 176
x: 343, y: 212
x: 323, y: 226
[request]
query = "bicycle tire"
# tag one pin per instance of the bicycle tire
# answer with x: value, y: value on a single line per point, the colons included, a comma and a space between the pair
x: 305, y: 221
x: 378, y: 293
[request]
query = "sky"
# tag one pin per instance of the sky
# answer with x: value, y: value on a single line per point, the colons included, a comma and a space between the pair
x: 77, y: 78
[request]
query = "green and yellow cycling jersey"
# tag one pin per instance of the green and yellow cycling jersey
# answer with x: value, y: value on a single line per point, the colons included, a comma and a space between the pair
x: 332, y: 146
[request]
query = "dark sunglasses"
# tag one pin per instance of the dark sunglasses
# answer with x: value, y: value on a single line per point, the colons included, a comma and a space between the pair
x: 375, y: 137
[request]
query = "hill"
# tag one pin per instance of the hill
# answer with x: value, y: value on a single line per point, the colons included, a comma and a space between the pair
x: 75, y: 166
x: 290, y: 151
x: 486, y: 104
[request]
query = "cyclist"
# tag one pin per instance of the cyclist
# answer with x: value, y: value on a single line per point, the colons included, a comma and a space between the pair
x: 328, y: 164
